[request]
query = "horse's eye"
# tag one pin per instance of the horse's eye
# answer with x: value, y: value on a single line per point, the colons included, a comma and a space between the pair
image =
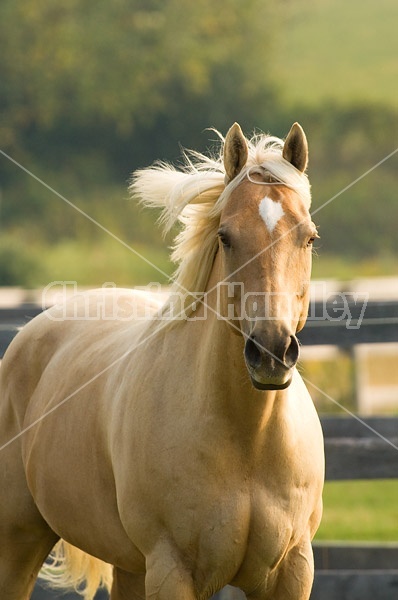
x: 224, y: 239
x: 312, y: 239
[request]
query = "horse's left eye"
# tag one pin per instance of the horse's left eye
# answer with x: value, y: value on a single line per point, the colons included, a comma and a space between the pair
x: 312, y: 239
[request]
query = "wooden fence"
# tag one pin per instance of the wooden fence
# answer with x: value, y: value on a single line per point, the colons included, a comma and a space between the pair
x: 341, y: 323
x: 366, y: 449
x: 354, y: 449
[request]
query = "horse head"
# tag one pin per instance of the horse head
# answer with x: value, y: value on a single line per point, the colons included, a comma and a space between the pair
x: 265, y: 243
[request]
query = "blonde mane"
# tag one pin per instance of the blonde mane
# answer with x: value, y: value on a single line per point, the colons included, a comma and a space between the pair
x: 195, y: 196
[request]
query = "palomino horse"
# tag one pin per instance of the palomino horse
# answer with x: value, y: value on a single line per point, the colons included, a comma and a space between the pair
x: 173, y: 451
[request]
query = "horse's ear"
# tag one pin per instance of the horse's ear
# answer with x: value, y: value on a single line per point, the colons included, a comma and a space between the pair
x: 295, y: 149
x: 235, y: 152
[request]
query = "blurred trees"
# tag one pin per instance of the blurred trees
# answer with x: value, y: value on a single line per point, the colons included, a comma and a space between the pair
x: 73, y: 66
x: 90, y: 90
x: 345, y: 143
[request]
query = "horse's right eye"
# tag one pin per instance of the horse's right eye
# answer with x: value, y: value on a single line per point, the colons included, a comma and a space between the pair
x: 224, y: 239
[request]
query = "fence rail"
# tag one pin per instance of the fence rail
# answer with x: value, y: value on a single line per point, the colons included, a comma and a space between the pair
x: 348, y: 323
x: 354, y: 449
x: 338, y: 323
x: 365, y: 449
x: 358, y: 449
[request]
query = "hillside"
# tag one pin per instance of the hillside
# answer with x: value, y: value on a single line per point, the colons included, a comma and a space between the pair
x: 344, y: 51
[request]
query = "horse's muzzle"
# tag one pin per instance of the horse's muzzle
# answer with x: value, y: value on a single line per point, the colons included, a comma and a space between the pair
x: 270, y: 364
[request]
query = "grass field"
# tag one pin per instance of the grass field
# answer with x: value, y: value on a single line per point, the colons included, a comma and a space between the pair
x: 360, y: 510
x: 326, y: 266
x: 333, y: 49
x: 93, y: 264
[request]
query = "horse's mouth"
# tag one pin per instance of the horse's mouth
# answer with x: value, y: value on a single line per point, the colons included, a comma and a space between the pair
x: 270, y: 386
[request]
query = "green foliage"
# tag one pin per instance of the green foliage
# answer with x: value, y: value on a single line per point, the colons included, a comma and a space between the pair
x: 333, y: 49
x: 346, y: 268
x: 346, y: 143
x: 334, y: 374
x: 119, y: 65
x: 93, y: 264
x: 90, y: 91
x: 35, y: 265
x: 19, y: 266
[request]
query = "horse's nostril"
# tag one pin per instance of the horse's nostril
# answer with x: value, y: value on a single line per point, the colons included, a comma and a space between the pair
x: 292, y: 352
x: 285, y: 355
x: 252, y: 352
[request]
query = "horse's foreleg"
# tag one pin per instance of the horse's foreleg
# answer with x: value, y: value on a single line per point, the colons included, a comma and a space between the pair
x: 25, y: 538
x: 22, y: 554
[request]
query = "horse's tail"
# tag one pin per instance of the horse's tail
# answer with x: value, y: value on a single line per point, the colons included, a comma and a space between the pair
x: 71, y: 568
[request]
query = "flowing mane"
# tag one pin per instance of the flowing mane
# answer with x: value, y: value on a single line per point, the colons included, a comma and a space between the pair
x: 195, y: 196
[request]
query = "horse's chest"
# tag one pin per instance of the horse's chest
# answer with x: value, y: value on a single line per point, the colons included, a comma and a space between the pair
x: 248, y: 536
x: 272, y: 523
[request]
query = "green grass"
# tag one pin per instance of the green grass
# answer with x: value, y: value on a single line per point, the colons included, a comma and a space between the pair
x: 326, y: 266
x: 333, y: 49
x: 89, y: 263
x: 361, y: 511
x: 92, y: 264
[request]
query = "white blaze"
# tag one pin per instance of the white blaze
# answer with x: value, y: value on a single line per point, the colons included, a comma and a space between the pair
x: 270, y: 212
